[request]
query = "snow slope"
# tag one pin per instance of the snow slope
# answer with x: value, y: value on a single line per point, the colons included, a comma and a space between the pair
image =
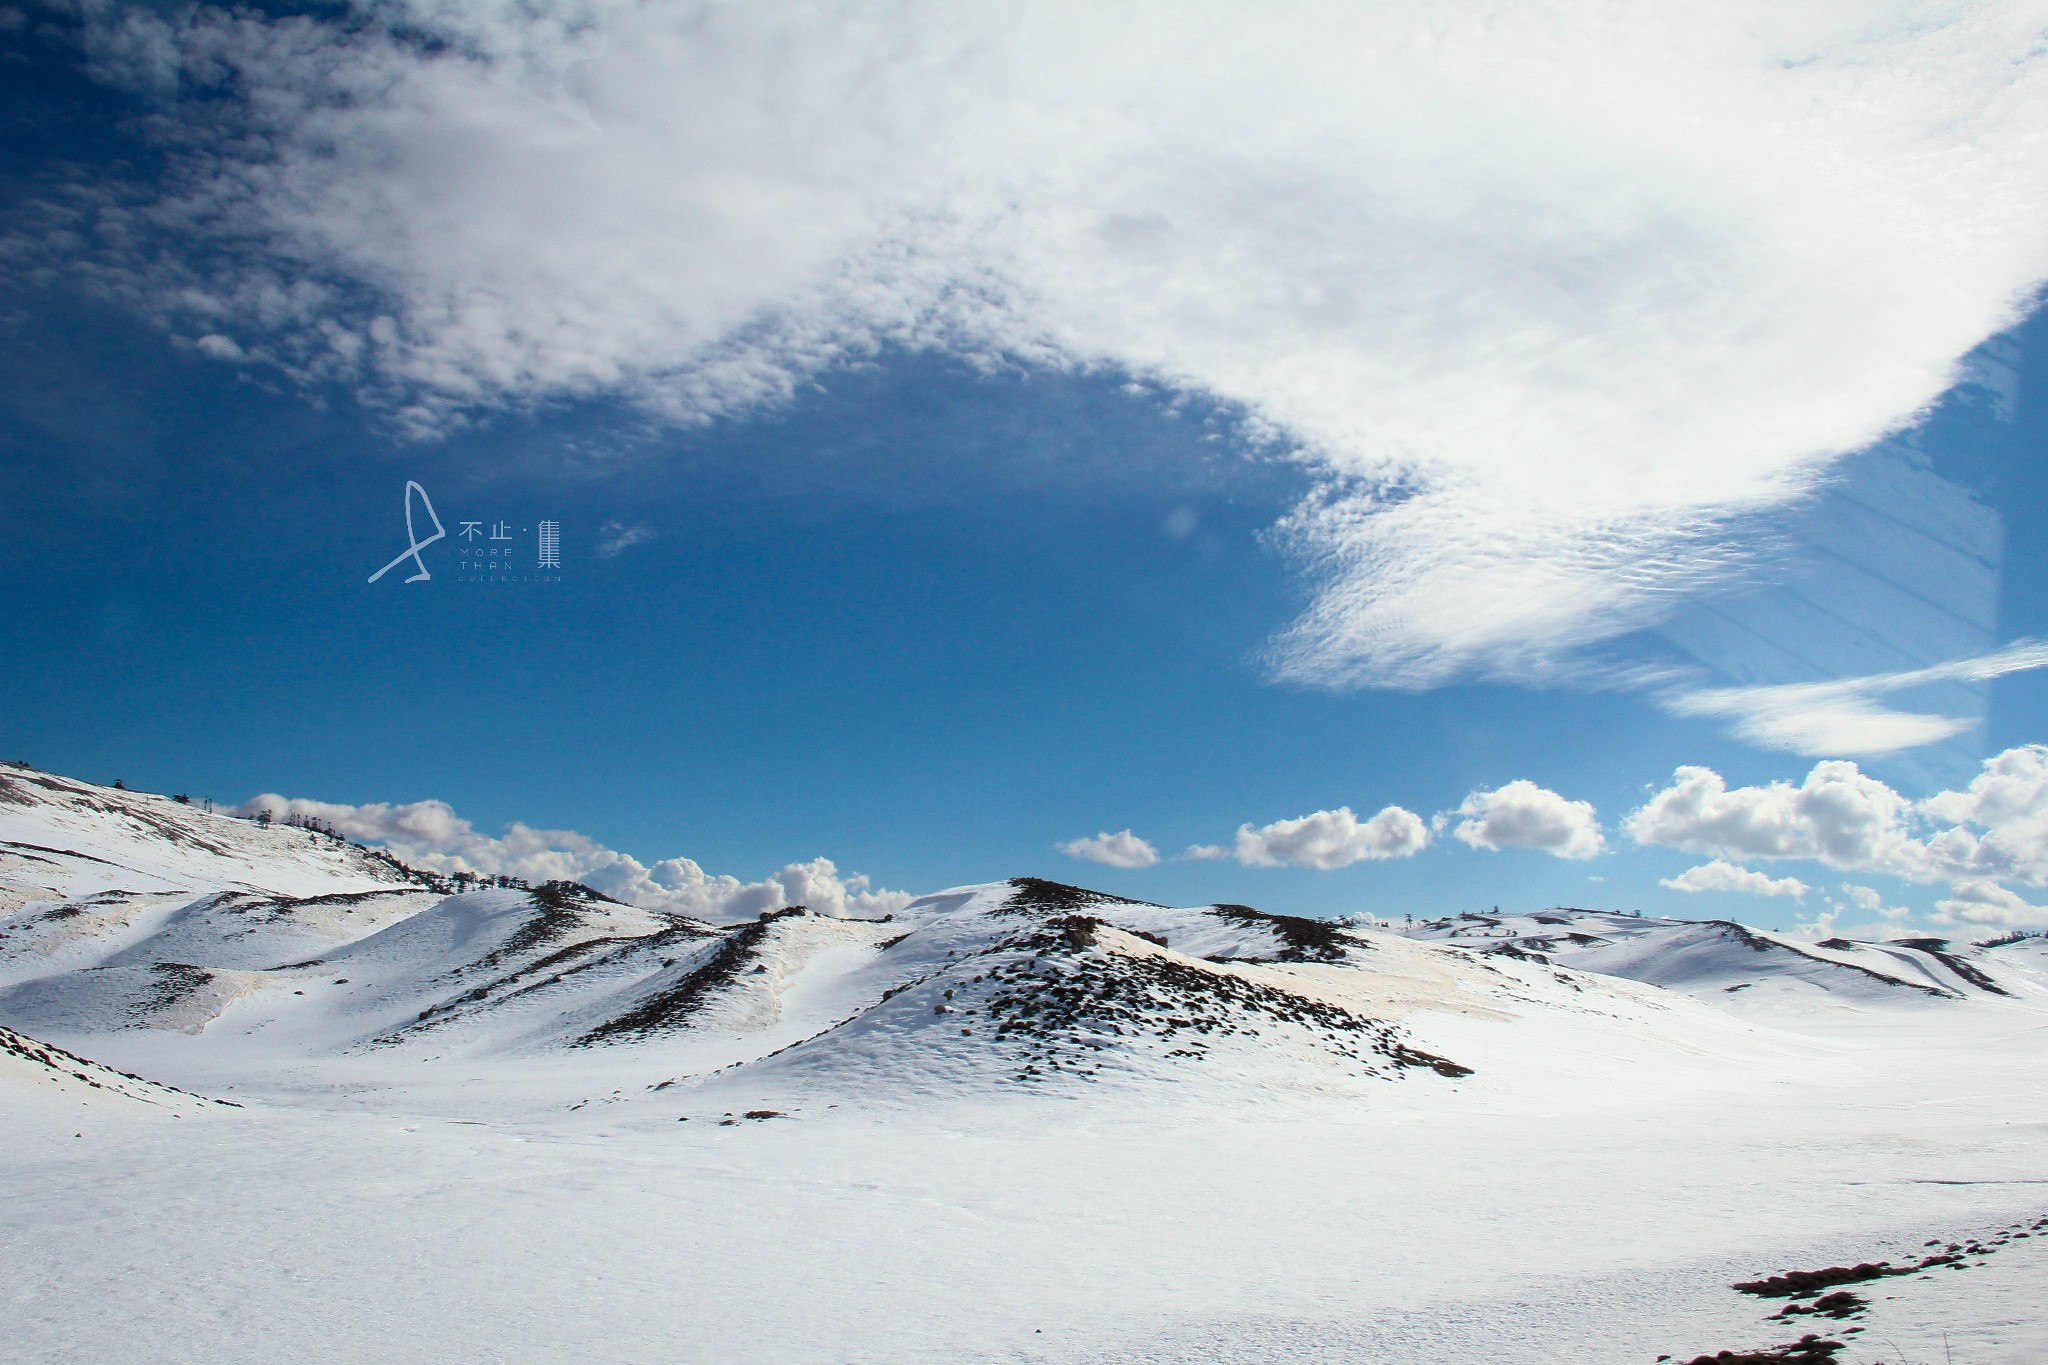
x: 33, y: 1073
x: 97, y: 877
x: 1020, y: 1121
x: 67, y: 838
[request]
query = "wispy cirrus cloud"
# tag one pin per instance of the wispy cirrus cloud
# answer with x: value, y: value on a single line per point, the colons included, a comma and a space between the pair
x: 1844, y: 718
x: 1547, y: 298
x: 614, y: 538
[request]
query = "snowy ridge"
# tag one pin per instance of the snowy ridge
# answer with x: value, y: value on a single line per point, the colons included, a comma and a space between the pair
x: 32, y: 1070
x: 1741, y: 967
x: 1014, y: 982
x: 67, y: 839
x: 98, y: 877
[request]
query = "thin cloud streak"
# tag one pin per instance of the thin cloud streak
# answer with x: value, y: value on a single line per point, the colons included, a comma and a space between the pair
x: 1828, y: 719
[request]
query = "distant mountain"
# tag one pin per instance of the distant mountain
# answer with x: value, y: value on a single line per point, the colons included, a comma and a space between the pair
x: 1718, y: 959
x: 125, y: 914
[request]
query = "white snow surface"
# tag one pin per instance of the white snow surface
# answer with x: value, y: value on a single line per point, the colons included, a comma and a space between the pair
x: 1016, y: 1122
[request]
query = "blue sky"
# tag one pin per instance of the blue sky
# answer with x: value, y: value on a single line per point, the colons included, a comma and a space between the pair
x: 1005, y: 542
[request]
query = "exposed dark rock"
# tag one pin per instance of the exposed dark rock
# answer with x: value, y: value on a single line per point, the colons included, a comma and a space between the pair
x: 1303, y: 940
x: 1034, y: 893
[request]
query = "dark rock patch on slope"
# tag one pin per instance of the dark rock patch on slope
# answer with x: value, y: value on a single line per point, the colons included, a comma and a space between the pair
x: 671, y: 1006
x: 1303, y: 940
x: 1066, y: 1010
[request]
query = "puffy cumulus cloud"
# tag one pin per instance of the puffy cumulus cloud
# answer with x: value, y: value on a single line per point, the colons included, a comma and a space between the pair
x: 1843, y: 718
x: 1837, y: 816
x: 1863, y: 906
x: 1524, y: 815
x: 1991, y: 832
x: 1998, y: 825
x: 429, y: 834
x: 1870, y: 901
x: 1124, y: 849
x: 1726, y: 876
x: 1978, y: 901
x: 1327, y: 839
x: 1546, y: 293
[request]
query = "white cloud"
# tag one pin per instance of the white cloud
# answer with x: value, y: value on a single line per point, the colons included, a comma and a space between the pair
x: 2008, y: 802
x: 1112, y: 850
x: 1837, y: 816
x: 1993, y: 831
x: 135, y: 49
x: 614, y: 538
x: 1978, y: 901
x: 1524, y: 815
x: 1870, y: 901
x: 1840, y: 718
x: 1821, y: 926
x: 1546, y: 296
x: 1725, y: 876
x: 429, y: 834
x: 1327, y: 839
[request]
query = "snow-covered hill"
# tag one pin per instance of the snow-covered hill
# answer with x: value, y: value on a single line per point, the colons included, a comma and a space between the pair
x: 99, y: 877
x: 1743, y: 968
x: 132, y: 916
x: 279, y: 947
x: 61, y: 839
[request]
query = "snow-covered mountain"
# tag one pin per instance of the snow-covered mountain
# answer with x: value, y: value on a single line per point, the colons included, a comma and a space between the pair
x: 1735, y: 965
x: 61, y: 840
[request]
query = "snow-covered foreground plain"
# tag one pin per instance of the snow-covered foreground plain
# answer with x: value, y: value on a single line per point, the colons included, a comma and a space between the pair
x: 1008, y: 1125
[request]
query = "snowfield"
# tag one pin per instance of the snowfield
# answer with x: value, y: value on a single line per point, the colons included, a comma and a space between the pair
x: 1016, y: 1122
